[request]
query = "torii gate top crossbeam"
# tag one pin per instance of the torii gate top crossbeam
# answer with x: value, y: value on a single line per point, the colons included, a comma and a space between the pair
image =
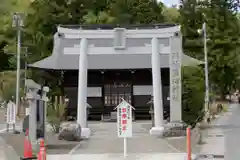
x: 129, y: 33
x: 118, y: 40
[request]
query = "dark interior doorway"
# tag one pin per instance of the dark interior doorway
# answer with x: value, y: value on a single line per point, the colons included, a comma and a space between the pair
x: 114, y: 93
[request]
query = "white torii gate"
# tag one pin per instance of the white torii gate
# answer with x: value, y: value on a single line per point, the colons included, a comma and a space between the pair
x: 155, y: 47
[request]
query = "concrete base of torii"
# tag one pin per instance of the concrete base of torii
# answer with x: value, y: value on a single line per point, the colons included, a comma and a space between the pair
x: 85, y: 133
x: 156, y: 131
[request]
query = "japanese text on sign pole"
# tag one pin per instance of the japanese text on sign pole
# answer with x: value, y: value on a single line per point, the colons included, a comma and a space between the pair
x: 124, y: 119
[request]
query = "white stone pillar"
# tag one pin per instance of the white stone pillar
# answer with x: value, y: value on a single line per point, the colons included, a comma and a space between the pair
x: 82, y: 89
x: 32, y: 96
x: 157, y: 90
x: 32, y: 99
x: 175, y: 62
x: 45, y: 101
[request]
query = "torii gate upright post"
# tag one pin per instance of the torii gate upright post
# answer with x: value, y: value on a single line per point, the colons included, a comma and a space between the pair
x: 82, y: 89
x: 157, y: 89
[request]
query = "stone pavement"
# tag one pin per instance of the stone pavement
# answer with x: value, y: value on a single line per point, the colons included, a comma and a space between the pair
x: 6, y: 148
x: 105, y: 145
x: 213, y: 139
x: 232, y: 132
x: 215, y: 136
x: 179, y: 142
x: 3, y: 127
x: 104, y: 140
x: 7, y: 152
x: 2, y: 155
x: 152, y: 156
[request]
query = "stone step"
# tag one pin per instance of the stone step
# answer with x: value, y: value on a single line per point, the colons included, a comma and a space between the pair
x: 109, y: 117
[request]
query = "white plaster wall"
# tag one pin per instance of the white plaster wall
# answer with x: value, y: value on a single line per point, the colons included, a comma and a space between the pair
x: 94, y: 91
x: 91, y: 91
x: 142, y: 90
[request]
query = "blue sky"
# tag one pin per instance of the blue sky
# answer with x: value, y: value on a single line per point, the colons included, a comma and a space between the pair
x: 170, y: 2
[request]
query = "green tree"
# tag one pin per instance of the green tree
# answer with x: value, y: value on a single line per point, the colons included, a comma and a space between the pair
x: 101, y: 17
x: 4, y: 7
x: 191, y: 21
x: 136, y: 12
x: 223, y: 38
x: 8, y: 85
x: 6, y: 11
x: 223, y: 34
x: 171, y: 15
x: 238, y: 16
x: 7, y: 33
x: 41, y: 23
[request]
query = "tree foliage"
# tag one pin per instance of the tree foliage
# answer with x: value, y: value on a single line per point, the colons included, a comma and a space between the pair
x: 191, y: 21
x: 171, y: 14
x: 222, y: 34
x: 136, y: 11
x: 7, y: 32
x: 8, y: 85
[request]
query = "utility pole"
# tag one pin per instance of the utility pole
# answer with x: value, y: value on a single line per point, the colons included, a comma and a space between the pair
x: 18, y: 24
x: 203, y: 31
x: 206, y: 108
x: 25, y: 54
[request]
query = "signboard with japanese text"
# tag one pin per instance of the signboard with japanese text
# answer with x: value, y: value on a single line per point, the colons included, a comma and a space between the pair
x: 124, y: 119
x: 11, y: 113
x: 175, y: 62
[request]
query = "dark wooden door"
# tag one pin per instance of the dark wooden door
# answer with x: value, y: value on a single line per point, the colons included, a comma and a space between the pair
x: 114, y: 93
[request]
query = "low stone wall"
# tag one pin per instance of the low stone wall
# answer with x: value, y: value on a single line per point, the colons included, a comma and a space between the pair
x: 174, y: 130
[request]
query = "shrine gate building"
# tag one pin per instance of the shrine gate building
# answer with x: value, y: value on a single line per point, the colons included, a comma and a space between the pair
x: 101, y: 64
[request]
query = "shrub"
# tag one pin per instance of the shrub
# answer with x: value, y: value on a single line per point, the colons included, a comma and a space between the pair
x: 55, y: 116
x: 192, y: 95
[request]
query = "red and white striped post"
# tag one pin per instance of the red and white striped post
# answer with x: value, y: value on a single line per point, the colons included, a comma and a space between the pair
x: 189, y: 148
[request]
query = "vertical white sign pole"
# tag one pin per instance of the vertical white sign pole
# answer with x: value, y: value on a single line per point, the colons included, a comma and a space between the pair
x: 125, y: 147
x: 124, y: 120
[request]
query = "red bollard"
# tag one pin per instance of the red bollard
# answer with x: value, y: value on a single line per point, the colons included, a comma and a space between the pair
x: 189, y: 148
x: 42, y: 151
